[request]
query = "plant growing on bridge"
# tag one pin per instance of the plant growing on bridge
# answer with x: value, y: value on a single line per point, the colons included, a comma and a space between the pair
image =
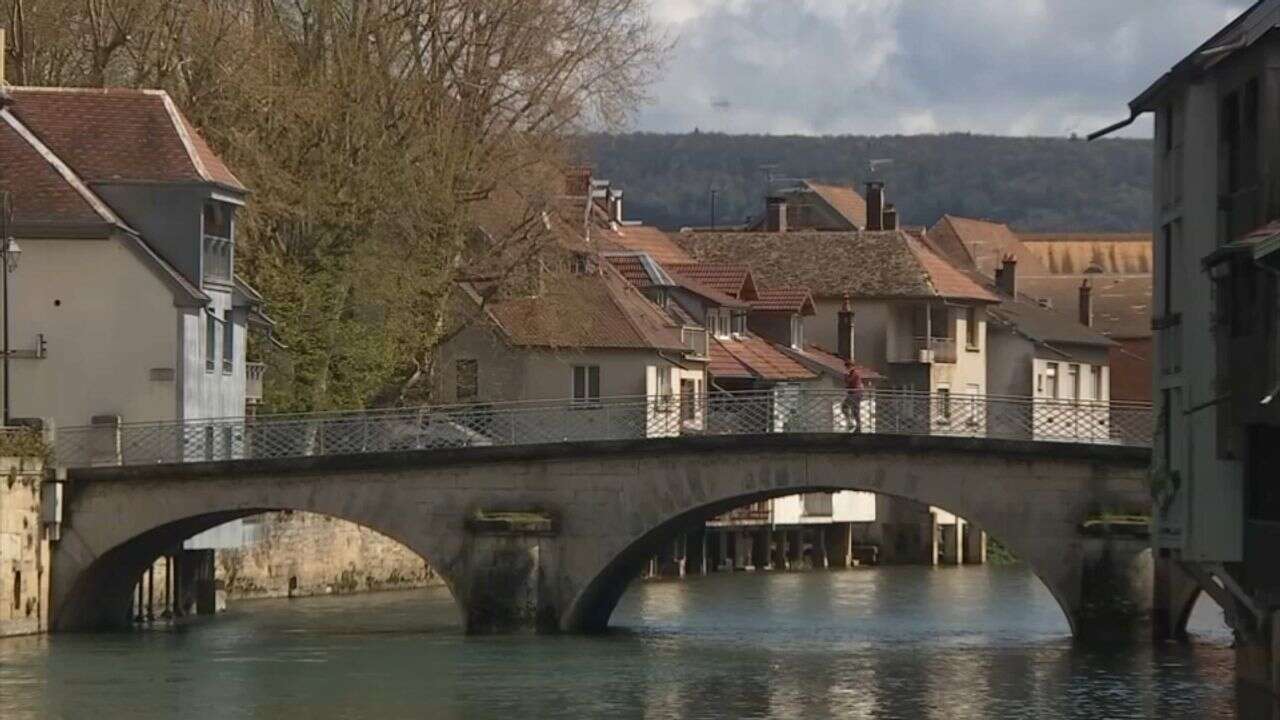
x: 23, y: 443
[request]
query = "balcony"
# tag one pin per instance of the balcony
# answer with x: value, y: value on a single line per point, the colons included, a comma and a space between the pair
x: 695, y: 339
x: 217, y: 259
x: 919, y: 349
x: 253, y: 373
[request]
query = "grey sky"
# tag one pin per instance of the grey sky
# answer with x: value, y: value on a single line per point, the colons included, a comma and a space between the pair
x: 1010, y: 67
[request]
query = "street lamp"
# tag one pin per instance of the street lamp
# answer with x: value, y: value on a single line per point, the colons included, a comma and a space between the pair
x: 11, y: 252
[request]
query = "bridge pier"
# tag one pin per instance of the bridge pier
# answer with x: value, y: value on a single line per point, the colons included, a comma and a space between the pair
x: 1116, y: 575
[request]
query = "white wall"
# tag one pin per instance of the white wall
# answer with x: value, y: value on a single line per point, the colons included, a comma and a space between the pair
x: 213, y: 394
x: 108, y: 321
x: 846, y: 506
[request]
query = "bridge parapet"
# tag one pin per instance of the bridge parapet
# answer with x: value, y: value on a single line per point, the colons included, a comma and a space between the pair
x: 890, y: 412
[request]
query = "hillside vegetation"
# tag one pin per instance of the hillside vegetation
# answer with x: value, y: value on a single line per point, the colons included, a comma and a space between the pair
x: 1034, y: 184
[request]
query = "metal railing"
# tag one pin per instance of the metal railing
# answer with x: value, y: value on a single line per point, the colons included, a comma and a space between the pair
x: 920, y: 349
x: 627, y: 418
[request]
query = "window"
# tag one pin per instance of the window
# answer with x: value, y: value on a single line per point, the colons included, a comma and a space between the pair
x: 739, y: 324
x: 1051, y: 380
x: 467, y: 380
x: 664, y: 384
x: 718, y: 322
x: 797, y: 332
x: 228, y: 344
x: 970, y: 327
x: 218, y: 242
x: 586, y: 384
x: 944, y: 404
x: 1095, y: 373
x: 210, y: 342
x: 1166, y: 267
x: 1073, y: 380
x: 217, y: 220
x: 17, y: 589
x: 689, y: 400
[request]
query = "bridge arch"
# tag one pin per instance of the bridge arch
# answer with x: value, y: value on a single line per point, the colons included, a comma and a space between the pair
x: 611, y: 504
x: 96, y: 567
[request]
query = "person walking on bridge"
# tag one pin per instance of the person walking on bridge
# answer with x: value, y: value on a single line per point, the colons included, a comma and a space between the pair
x: 852, y: 405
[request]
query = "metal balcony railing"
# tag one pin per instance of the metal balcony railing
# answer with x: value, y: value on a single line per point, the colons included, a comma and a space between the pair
x: 920, y: 349
x: 253, y: 374
x: 625, y: 418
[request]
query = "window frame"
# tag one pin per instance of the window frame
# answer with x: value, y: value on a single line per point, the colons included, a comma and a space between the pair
x: 473, y: 372
x: 228, y: 344
x: 971, y: 339
x: 590, y: 381
x: 211, y: 335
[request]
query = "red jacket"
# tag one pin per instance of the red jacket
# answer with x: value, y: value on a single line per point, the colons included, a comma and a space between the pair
x: 853, y: 380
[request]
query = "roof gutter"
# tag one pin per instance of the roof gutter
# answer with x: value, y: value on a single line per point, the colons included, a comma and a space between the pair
x: 1113, y: 127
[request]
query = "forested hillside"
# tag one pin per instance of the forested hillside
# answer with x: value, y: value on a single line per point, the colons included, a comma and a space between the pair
x: 1040, y: 184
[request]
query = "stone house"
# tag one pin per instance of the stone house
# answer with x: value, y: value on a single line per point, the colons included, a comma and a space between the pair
x: 126, y: 306
x: 1051, y: 269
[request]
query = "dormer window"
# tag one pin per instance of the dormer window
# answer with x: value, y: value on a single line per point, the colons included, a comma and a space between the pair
x: 718, y: 322
x: 218, y: 241
x: 739, y: 324
x: 797, y: 332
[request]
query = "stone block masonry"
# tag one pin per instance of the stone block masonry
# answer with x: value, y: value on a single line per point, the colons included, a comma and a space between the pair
x: 24, y: 551
x: 297, y: 554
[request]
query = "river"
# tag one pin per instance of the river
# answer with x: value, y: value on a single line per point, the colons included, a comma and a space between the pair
x: 889, y: 642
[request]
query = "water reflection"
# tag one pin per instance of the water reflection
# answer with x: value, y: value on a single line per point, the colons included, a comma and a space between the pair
x: 976, y: 642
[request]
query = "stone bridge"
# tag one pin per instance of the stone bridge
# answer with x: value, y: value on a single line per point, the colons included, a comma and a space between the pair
x: 548, y: 536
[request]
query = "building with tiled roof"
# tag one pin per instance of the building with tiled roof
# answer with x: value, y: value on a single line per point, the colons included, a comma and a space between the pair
x: 914, y: 308
x: 126, y: 303
x: 1050, y: 269
x: 813, y: 205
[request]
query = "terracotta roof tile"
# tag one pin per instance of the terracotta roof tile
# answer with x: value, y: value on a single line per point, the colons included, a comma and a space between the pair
x: 730, y: 278
x: 793, y: 300
x: 832, y: 363
x: 980, y: 244
x: 119, y: 135
x: 753, y: 357
x: 844, y: 200
x: 657, y: 244
x: 599, y: 311
x: 883, y: 264
x: 39, y: 195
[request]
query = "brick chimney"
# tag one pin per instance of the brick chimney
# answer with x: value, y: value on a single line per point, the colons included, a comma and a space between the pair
x: 1086, y: 303
x: 775, y: 214
x: 577, y: 181
x: 875, y: 205
x: 1007, y: 276
x: 844, y: 330
x: 890, y: 217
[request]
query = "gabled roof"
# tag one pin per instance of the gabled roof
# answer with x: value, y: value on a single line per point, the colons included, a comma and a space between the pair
x: 639, y: 269
x: 753, y: 357
x: 827, y: 362
x: 708, y: 292
x: 731, y: 278
x: 1121, y: 303
x: 651, y: 241
x: 120, y: 135
x: 884, y: 264
x: 51, y: 201
x: 592, y: 311
x: 980, y: 244
x: 1043, y: 325
x: 844, y: 201
x: 789, y: 300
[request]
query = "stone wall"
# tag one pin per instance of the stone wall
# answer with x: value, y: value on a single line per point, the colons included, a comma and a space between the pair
x: 24, y: 551
x: 297, y: 554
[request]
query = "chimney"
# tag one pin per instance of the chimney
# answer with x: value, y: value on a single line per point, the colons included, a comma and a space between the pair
x: 775, y: 217
x: 890, y: 216
x: 577, y: 181
x: 616, y: 208
x: 1086, y: 304
x: 875, y: 205
x: 1007, y: 276
x: 844, y: 330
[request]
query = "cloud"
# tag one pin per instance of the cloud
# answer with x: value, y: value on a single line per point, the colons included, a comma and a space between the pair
x: 1043, y: 67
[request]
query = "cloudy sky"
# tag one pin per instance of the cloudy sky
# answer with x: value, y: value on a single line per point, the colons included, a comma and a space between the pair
x: 1010, y: 67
